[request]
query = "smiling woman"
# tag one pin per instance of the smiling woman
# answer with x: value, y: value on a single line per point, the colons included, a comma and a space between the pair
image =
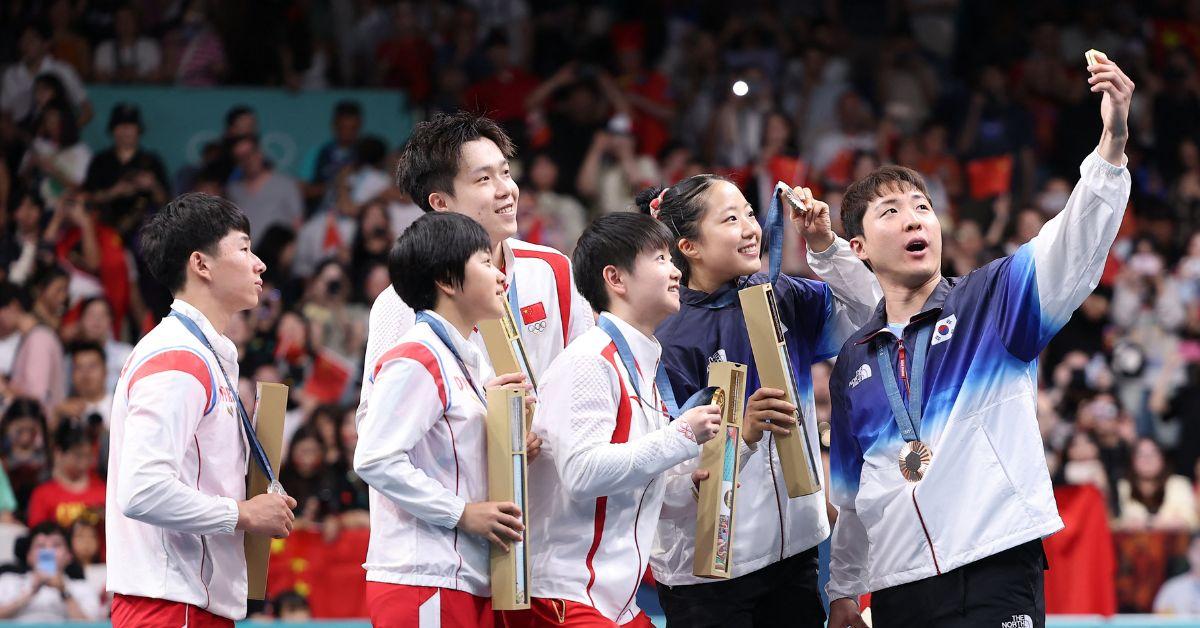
x: 717, y: 243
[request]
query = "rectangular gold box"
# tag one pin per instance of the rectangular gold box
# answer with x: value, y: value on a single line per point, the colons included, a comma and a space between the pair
x: 507, y: 482
x: 269, y: 409
x: 505, y: 349
x: 718, y: 494
x: 796, y: 453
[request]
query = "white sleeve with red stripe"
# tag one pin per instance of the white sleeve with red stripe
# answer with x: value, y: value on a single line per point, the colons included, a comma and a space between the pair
x: 680, y: 489
x: 407, y: 398
x: 169, y: 393
x: 579, y: 416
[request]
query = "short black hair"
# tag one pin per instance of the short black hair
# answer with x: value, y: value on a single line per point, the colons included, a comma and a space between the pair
x: 68, y: 125
x: 53, y: 82
x: 680, y: 209
x: 191, y: 222
x: 85, y: 346
x: 347, y: 108
x: 434, y: 249
x: 370, y: 151
x: 9, y: 292
x: 614, y: 240
x: 43, y: 276
x: 69, y: 435
x: 431, y: 158
x: 236, y: 112
x: 860, y: 194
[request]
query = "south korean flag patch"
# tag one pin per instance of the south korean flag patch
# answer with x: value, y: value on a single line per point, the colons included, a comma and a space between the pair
x: 943, y: 330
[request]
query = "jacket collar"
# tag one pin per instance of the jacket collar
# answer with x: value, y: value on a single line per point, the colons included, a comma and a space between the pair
x: 646, y: 350
x: 689, y: 296
x: 470, y: 354
x: 933, y: 306
x: 223, y: 346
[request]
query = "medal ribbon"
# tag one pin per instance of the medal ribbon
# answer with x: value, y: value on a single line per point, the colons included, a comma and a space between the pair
x: 256, y: 449
x: 661, y: 383
x: 440, y: 331
x: 512, y: 301
x: 908, y: 416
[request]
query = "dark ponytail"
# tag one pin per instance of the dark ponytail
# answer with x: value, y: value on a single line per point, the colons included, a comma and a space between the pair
x: 680, y: 209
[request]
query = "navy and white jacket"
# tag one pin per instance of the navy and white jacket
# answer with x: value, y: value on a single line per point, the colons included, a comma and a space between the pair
x: 817, y: 318
x: 987, y: 488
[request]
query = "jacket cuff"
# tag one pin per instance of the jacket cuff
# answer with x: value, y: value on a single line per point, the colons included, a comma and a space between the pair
x: 229, y: 519
x: 839, y: 244
x: 456, y: 512
x: 1096, y: 162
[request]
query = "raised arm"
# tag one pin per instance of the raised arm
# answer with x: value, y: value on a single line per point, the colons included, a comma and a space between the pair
x: 1067, y: 256
x: 855, y: 290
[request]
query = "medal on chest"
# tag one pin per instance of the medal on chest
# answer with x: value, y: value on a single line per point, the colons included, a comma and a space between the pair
x: 914, y: 460
x: 915, y: 456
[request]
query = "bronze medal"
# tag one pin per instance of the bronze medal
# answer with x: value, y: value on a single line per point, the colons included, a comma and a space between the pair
x: 914, y: 460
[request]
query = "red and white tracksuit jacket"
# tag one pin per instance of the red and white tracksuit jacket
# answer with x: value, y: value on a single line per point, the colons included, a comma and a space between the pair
x: 422, y: 449
x: 596, y: 489
x: 176, y: 470
x: 552, y: 310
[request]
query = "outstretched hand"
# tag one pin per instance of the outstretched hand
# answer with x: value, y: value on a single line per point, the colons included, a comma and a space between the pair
x: 811, y: 218
x: 1107, y: 78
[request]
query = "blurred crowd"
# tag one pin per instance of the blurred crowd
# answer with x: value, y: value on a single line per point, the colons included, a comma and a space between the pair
x: 989, y: 101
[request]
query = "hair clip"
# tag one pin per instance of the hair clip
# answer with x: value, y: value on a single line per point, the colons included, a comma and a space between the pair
x: 654, y: 204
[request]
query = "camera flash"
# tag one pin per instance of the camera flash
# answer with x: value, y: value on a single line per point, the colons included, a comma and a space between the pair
x: 740, y: 88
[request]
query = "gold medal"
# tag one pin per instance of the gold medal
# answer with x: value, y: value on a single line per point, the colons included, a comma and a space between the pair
x: 914, y: 460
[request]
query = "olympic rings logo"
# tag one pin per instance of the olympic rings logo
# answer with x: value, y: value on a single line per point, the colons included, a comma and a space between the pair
x: 536, y: 328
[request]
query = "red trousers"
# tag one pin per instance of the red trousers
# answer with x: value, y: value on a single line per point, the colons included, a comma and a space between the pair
x: 546, y: 613
x: 130, y: 611
x: 407, y: 606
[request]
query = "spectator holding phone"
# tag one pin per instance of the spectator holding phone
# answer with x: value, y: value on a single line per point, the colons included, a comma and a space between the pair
x: 48, y: 586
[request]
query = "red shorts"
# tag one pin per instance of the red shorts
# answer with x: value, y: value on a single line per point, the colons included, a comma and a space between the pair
x: 408, y: 606
x: 146, y: 612
x: 544, y: 612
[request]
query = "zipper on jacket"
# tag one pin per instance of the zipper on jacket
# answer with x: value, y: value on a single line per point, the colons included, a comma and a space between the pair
x: 924, y: 529
x: 204, y: 559
x: 638, y: 578
x: 775, y: 486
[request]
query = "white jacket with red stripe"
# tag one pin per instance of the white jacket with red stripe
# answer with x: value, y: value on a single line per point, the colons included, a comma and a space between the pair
x: 596, y: 489
x: 176, y: 470
x: 422, y: 450
x: 553, y: 312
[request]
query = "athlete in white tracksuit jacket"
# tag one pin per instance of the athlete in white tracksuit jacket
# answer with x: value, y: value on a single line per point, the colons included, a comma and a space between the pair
x: 950, y: 535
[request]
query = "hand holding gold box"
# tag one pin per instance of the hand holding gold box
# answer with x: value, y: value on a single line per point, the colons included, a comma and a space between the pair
x: 507, y: 482
x: 506, y: 351
x: 796, y: 454
x: 718, y: 494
